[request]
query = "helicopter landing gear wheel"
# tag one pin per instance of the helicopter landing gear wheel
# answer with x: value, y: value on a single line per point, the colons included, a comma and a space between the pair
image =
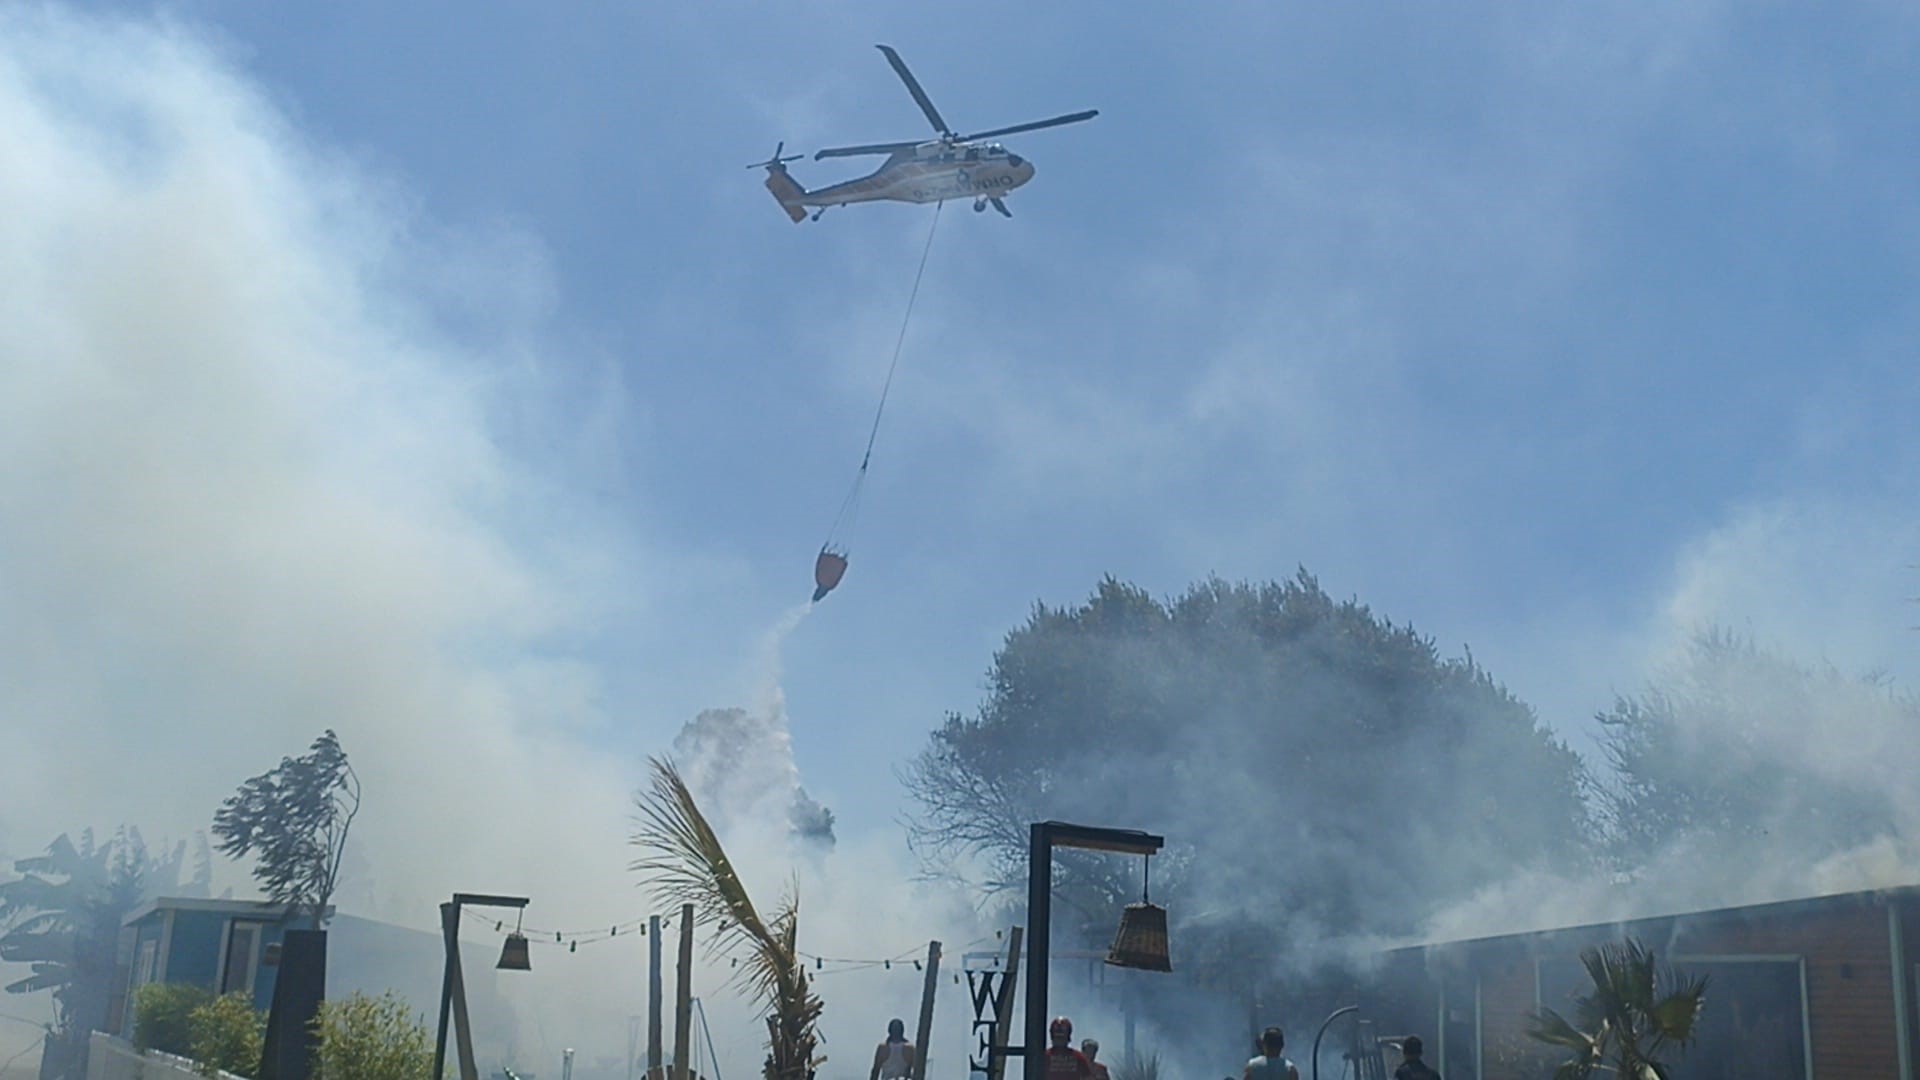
x: 817, y: 213
x: 979, y: 206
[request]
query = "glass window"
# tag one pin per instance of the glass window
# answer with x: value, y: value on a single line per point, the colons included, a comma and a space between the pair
x: 149, y: 960
x: 1755, y: 1019
x: 236, y: 971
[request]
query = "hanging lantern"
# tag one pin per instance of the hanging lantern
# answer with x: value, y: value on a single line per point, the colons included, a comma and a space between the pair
x: 513, y: 954
x: 1142, y: 940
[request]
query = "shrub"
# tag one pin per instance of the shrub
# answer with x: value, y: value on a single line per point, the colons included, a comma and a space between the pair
x: 160, y: 1016
x: 227, y: 1034
x: 368, y: 1038
x: 1138, y: 1067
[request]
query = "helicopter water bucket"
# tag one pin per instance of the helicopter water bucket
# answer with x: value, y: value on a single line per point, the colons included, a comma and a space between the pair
x: 828, y: 569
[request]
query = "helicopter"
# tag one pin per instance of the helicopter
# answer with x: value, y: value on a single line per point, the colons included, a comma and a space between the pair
x: 948, y: 167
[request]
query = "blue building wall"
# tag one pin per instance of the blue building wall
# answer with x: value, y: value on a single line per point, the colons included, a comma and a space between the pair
x: 191, y: 953
x: 362, y: 956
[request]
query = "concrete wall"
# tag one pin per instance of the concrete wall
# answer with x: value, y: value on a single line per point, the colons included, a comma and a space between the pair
x: 110, y: 1057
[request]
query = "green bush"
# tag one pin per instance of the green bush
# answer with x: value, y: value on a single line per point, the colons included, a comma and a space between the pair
x: 226, y: 1034
x: 1138, y: 1067
x: 368, y: 1038
x: 160, y: 1016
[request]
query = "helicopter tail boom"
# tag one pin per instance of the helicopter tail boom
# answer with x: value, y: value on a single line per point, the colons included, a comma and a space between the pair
x: 783, y: 186
x: 787, y: 191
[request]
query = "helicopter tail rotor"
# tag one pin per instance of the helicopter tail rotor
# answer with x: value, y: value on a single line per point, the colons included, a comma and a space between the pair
x: 776, y: 162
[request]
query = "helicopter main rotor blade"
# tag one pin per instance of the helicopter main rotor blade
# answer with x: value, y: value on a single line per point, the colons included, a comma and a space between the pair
x: 857, y: 151
x: 913, y: 87
x: 1070, y: 118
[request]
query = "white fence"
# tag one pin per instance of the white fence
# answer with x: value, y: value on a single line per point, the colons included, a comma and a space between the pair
x: 113, y: 1058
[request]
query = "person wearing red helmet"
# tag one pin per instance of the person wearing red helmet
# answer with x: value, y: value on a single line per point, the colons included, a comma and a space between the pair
x: 1063, y: 1061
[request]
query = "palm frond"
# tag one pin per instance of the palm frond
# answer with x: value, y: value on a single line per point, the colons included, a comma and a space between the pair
x: 1675, y: 1015
x: 1547, y: 1026
x: 1636, y: 1007
x: 686, y: 864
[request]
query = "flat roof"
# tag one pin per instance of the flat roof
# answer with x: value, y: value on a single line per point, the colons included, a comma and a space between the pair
x: 1770, y: 908
x: 265, y: 910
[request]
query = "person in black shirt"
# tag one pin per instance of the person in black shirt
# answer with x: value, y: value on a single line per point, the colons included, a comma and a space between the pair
x: 1411, y: 1067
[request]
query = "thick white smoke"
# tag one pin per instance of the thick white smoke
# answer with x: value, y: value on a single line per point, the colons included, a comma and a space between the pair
x: 251, y: 487
x: 1819, y: 588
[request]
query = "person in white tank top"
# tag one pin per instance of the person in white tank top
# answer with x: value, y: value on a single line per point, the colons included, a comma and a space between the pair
x: 893, y: 1059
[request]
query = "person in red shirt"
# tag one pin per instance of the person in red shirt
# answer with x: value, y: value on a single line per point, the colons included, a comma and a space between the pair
x: 1090, y: 1048
x: 1063, y: 1061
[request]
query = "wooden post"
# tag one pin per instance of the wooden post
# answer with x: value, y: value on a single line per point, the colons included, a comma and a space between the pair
x: 925, y: 1031
x: 683, y: 1000
x: 1004, y: 1009
x: 653, y: 998
x: 462, y: 1029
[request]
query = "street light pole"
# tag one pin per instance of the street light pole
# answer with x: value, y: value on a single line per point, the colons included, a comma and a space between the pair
x: 450, y: 980
x: 1043, y: 837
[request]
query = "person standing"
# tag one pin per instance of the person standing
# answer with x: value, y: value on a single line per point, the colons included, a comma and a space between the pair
x: 893, y: 1059
x: 1063, y: 1061
x: 1411, y: 1065
x: 1270, y: 1065
x: 1090, y: 1049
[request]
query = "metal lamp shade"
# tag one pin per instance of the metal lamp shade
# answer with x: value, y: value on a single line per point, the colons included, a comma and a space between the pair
x: 1142, y: 940
x: 513, y: 955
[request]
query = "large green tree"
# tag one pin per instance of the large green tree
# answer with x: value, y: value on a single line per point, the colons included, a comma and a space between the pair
x: 1321, y: 773
x: 294, y: 818
x: 1738, y: 745
x: 62, y: 917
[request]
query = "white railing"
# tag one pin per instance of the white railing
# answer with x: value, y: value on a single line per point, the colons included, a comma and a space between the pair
x: 112, y: 1058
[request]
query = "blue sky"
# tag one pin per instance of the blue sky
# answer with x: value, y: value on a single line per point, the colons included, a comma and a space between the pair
x: 1485, y: 315
x: 436, y: 372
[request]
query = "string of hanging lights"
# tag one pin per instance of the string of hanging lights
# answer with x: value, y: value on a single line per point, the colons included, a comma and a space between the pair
x: 571, y: 940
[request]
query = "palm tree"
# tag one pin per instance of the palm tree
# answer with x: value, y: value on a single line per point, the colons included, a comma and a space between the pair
x: 687, y: 865
x: 62, y: 916
x: 1637, y: 1008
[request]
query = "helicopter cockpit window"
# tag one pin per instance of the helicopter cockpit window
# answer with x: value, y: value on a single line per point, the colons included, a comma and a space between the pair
x: 1014, y: 160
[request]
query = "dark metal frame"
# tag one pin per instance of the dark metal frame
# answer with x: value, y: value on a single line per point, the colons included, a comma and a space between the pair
x: 450, y: 930
x: 1043, y: 837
